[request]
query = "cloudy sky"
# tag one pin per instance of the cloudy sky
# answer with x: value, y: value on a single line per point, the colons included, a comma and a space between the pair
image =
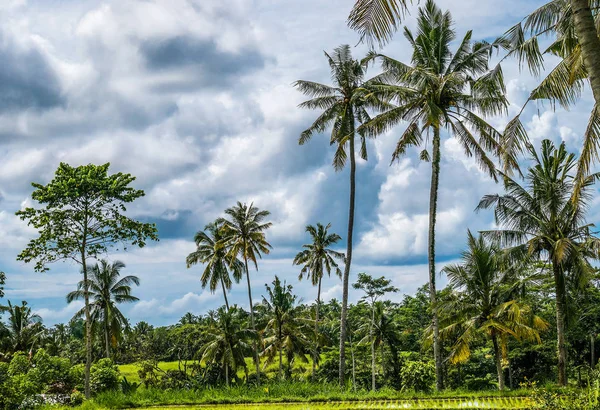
x: 194, y: 98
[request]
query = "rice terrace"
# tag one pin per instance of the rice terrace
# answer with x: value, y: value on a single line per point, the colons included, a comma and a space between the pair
x: 299, y: 204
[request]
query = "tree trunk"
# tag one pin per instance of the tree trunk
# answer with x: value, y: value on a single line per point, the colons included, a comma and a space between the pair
x: 593, y: 350
x: 346, y: 278
x: 559, y: 281
x: 316, y: 353
x: 497, y: 356
x: 280, y: 354
x: 107, y: 337
x: 372, y: 347
x: 226, y: 375
x: 256, y: 362
x: 433, y: 195
x: 88, y: 326
x: 225, y: 294
x: 590, y: 43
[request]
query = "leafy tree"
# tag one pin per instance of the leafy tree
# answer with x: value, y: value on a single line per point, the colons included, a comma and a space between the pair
x: 24, y: 326
x: 485, y: 301
x: 82, y: 217
x: 210, y: 250
x: 227, y: 341
x: 107, y: 289
x: 345, y: 105
x: 374, y: 288
x: 317, y: 258
x: 441, y: 90
x: 283, y: 326
x: 545, y: 219
x: 244, y: 236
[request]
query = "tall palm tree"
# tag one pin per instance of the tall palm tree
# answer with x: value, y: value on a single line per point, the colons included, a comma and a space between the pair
x: 545, y: 219
x: 244, y: 237
x: 441, y: 90
x: 210, y: 250
x: 317, y: 258
x: 228, y: 341
x: 107, y: 290
x: 283, y: 327
x: 345, y: 105
x: 24, y: 326
x: 485, y: 302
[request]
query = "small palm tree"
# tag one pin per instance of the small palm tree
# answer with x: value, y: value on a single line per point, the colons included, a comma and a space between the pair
x: 107, y: 290
x: 210, y: 250
x: 24, y: 326
x: 244, y: 237
x: 485, y: 303
x: 283, y: 327
x: 345, y: 106
x: 441, y: 90
x: 317, y: 258
x: 228, y: 341
x: 545, y: 219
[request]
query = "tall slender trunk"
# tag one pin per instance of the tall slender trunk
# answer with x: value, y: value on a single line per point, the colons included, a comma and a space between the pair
x: 559, y: 281
x: 225, y: 294
x: 88, y: 324
x: 433, y: 196
x: 256, y: 362
x: 346, y: 278
x: 107, y: 337
x: 590, y: 43
x: 280, y: 355
x: 497, y: 356
x: 316, y: 353
x: 593, y: 350
x: 226, y: 375
x: 372, y: 346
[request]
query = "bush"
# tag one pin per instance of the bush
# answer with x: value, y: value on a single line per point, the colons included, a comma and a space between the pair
x: 104, y: 375
x: 417, y: 375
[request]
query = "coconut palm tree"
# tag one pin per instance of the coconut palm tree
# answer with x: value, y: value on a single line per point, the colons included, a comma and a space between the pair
x: 344, y: 106
x: 244, y: 237
x: 107, y: 290
x: 24, y: 326
x: 485, y: 302
x: 283, y: 328
x: 228, y: 341
x: 317, y: 258
x: 441, y: 90
x: 544, y: 218
x: 210, y: 250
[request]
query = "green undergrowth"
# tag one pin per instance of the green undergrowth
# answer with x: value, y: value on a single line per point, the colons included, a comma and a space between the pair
x: 272, y: 393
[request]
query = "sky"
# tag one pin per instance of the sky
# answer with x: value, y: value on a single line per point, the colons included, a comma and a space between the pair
x: 195, y: 98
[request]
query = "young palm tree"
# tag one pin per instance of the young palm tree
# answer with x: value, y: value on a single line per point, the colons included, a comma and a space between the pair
x: 244, y: 237
x: 107, y: 290
x: 317, y: 258
x: 545, y: 219
x: 24, y: 326
x: 485, y: 303
x: 344, y: 105
x: 228, y: 341
x: 210, y: 251
x: 441, y: 90
x: 283, y: 327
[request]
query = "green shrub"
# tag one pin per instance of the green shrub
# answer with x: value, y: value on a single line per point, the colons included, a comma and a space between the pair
x: 417, y: 375
x: 104, y: 375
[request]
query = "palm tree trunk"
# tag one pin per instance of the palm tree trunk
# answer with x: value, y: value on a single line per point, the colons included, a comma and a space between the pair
x: 280, y: 360
x: 107, y: 337
x: 433, y: 194
x: 497, y: 354
x: 346, y: 278
x: 593, y: 350
x: 226, y: 375
x: 315, y: 356
x: 88, y: 325
x: 559, y: 281
x: 225, y: 295
x: 256, y: 362
x: 372, y: 347
x: 589, y: 42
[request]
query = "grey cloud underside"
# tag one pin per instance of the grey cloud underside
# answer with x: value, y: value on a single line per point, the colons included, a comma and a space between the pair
x: 26, y: 79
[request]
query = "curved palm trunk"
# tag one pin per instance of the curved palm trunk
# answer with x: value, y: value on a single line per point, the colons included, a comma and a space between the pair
x: 346, y: 278
x: 590, y: 43
x: 225, y: 295
x: 372, y: 347
x: 497, y: 356
x: 88, y: 327
x: 433, y: 194
x: 559, y: 281
x: 316, y: 353
x: 256, y: 362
